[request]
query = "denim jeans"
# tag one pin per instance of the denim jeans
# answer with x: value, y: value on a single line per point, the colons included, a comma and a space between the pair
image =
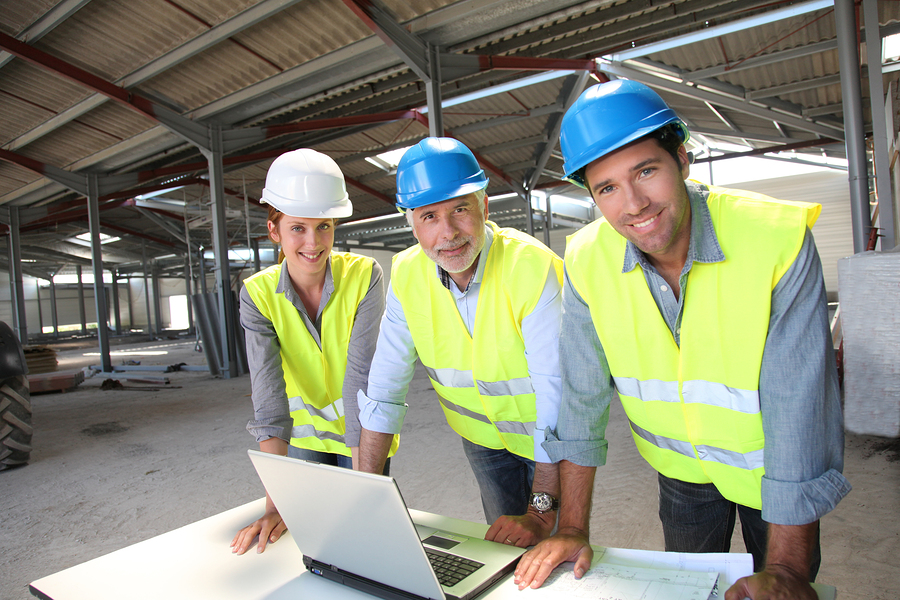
x: 327, y: 458
x: 697, y: 518
x: 504, y: 480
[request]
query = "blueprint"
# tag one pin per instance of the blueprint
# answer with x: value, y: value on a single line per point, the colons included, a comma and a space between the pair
x: 617, y: 582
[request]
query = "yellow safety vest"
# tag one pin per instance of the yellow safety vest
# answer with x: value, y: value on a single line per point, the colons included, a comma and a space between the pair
x: 314, y: 377
x: 482, y: 383
x: 694, y: 409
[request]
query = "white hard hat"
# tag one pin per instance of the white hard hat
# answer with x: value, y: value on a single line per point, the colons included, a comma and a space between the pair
x: 307, y: 184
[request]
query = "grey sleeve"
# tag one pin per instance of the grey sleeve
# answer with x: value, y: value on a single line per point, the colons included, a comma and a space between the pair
x: 271, y: 414
x: 587, y: 387
x: 800, y: 400
x: 359, y: 355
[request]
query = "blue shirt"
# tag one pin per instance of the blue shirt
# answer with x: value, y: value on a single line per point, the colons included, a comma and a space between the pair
x: 384, y: 407
x: 798, y: 389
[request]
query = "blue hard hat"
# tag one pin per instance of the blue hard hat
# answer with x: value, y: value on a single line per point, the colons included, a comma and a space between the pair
x: 437, y: 169
x: 608, y: 116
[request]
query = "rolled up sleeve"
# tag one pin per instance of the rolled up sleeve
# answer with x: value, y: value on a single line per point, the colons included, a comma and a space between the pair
x: 800, y: 400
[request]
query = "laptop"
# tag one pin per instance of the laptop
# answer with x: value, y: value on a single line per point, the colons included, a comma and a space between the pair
x: 355, y: 528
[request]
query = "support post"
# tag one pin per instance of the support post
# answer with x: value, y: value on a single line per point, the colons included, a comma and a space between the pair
x: 93, y: 200
x: 81, y: 300
x: 548, y: 221
x: 115, y: 298
x: 157, y: 298
x: 146, y: 288
x: 848, y: 60
x: 187, y: 291
x: 433, y: 93
x: 54, y: 313
x: 16, y: 279
x: 37, y: 294
x: 880, y: 143
x: 254, y: 246
x: 227, y: 311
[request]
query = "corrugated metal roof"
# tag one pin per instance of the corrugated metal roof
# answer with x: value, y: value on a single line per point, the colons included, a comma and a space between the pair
x: 242, y: 62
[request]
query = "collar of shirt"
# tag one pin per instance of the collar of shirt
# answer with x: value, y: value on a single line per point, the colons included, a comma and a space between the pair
x: 704, y: 246
x: 286, y: 287
x: 444, y: 276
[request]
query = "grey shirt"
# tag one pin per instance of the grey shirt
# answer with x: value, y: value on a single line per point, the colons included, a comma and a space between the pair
x: 271, y: 415
x: 798, y: 389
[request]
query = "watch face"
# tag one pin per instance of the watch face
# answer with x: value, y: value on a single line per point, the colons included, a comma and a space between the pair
x: 542, y: 502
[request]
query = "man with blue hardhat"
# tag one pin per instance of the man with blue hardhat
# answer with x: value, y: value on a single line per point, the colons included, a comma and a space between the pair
x: 704, y: 310
x: 479, y: 306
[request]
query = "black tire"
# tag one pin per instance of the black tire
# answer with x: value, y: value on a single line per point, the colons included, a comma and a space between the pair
x: 15, y: 422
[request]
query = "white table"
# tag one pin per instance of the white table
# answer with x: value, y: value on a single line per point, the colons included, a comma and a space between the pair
x: 195, y: 562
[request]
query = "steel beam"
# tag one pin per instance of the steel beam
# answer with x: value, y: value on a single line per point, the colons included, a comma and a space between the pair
x: 46, y: 23
x: 93, y: 196
x: 880, y: 144
x: 227, y: 311
x: 16, y: 279
x: 200, y: 43
x: 848, y: 58
x: 751, y: 108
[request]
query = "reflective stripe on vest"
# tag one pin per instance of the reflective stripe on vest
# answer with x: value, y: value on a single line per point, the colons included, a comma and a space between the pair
x: 749, y: 461
x: 695, y: 409
x: 314, y: 376
x: 332, y: 412
x: 699, y: 392
x: 482, y: 381
x: 308, y: 431
x: 513, y: 427
x: 454, y: 378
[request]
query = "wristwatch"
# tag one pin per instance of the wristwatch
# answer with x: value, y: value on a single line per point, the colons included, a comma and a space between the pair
x: 543, y: 502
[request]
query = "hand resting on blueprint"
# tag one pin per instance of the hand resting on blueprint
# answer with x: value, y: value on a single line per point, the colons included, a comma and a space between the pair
x: 568, y: 545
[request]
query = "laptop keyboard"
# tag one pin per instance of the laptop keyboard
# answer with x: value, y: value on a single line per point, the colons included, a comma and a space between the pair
x: 449, y: 568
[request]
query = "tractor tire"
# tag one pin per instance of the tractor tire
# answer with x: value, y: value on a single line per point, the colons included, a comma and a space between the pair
x: 15, y: 422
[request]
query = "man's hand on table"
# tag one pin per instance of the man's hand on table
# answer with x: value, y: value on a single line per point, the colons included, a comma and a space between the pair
x: 269, y: 528
x: 566, y: 546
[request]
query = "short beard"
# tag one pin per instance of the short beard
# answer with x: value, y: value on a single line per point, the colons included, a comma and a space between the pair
x: 460, y: 263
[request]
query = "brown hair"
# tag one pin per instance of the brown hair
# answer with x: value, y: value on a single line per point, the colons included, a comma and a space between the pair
x: 275, y: 216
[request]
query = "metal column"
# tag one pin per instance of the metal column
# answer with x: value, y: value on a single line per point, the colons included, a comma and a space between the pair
x: 16, y: 277
x: 146, y: 287
x: 202, y: 277
x: 54, y: 314
x: 227, y: 311
x: 433, y: 93
x: 848, y: 59
x: 81, y: 300
x: 93, y: 201
x: 130, y: 300
x: 157, y: 299
x: 114, y: 274
x: 881, y: 147
x: 188, y: 292
x: 254, y: 245
x: 37, y: 294
x: 548, y: 221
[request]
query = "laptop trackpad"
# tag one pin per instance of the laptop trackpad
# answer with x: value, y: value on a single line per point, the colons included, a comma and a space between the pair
x: 441, y: 541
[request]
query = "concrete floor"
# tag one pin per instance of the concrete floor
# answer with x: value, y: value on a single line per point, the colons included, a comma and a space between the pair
x: 112, y: 468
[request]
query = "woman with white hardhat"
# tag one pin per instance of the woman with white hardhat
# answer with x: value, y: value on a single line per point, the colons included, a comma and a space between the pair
x: 311, y: 323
